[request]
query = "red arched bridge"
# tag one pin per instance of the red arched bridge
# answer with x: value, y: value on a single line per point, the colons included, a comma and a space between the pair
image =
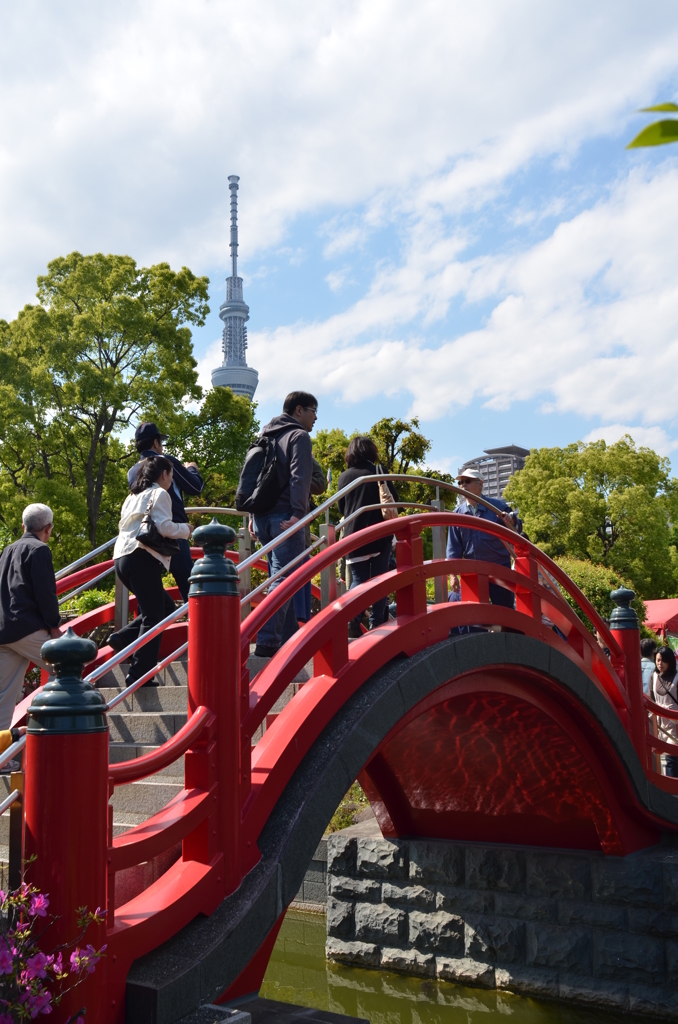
x: 516, y: 733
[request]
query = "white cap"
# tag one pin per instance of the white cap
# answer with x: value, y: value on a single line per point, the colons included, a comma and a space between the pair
x: 469, y: 474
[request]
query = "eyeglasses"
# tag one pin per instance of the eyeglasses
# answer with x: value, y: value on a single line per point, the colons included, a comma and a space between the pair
x: 311, y: 408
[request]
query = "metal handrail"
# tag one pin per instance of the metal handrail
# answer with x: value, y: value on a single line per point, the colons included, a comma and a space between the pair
x: 129, y: 690
x: 391, y: 504
x: 85, y: 558
x: 85, y: 586
x: 358, y: 482
x: 124, y: 654
x: 213, y: 510
x: 8, y: 754
x: 9, y: 800
x: 285, y: 571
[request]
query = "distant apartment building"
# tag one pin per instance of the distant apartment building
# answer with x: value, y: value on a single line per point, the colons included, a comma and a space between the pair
x: 496, y: 467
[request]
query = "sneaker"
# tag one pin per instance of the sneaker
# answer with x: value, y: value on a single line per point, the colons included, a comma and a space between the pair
x: 260, y: 651
x: 11, y: 766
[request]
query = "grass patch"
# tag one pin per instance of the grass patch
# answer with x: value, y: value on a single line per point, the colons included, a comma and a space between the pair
x: 345, y: 814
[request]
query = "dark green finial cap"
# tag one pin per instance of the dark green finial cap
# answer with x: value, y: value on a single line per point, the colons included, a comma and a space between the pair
x: 67, y: 704
x: 214, y: 573
x: 623, y: 616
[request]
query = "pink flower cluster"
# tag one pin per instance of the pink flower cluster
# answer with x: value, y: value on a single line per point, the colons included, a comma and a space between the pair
x: 28, y: 974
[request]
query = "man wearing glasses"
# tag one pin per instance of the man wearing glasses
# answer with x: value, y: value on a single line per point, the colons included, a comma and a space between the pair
x: 462, y: 543
x: 294, y: 463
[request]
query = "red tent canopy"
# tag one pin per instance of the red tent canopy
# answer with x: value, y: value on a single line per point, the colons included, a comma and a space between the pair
x: 662, y: 616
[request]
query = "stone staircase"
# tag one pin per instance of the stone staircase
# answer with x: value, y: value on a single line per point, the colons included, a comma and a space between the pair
x: 140, y: 725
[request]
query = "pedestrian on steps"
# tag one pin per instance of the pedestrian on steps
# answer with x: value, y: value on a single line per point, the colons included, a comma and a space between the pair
x: 185, y: 480
x: 294, y: 467
x: 664, y: 691
x: 29, y: 608
x: 140, y: 568
x: 361, y: 458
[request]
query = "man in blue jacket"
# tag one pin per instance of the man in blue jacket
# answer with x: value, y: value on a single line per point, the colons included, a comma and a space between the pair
x: 462, y: 543
x: 185, y: 480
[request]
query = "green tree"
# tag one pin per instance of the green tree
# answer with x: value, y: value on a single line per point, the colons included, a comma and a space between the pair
x: 216, y: 438
x: 610, y: 504
x: 400, y: 443
x: 329, y: 447
x: 108, y: 343
x: 597, y: 582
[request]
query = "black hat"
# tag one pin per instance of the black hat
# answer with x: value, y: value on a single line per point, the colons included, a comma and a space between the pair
x: 146, y: 433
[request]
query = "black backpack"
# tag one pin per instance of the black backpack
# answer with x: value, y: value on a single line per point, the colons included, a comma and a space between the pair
x: 258, y: 486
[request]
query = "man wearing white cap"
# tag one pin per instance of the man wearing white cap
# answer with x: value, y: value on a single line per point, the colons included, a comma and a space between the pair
x: 29, y: 609
x: 476, y: 544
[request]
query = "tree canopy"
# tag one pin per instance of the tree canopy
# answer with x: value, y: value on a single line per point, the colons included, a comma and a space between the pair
x: 217, y: 437
x: 108, y: 344
x: 610, y: 504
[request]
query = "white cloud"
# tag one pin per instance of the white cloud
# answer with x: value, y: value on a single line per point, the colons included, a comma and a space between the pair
x: 121, y: 122
x: 646, y: 437
x: 584, y: 322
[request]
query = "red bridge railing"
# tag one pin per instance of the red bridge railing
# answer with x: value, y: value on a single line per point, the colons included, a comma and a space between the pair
x: 208, y: 833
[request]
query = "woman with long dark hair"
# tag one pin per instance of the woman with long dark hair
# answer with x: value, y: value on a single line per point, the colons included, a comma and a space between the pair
x: 371, y: 560
x: 664, y: 691
x: 141, y: 568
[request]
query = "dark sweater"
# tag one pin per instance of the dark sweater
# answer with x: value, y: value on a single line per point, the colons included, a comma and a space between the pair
x: 28, y: 597
x: 294, y: 463
x: 185, y: 480
x: 364, y: 494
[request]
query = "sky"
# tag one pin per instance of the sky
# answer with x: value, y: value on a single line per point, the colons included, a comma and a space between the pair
x: 438, y: 216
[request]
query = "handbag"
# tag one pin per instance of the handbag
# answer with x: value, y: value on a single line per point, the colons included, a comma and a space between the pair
x: 150, y: 536
x: 388, y: 510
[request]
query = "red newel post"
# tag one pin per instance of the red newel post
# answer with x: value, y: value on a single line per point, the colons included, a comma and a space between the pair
x: 67, y: 811
x: 625, y: 630
x: 214, y: 682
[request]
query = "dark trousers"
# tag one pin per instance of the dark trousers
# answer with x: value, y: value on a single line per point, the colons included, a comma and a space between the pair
x: 142, y: 574
x: 181, y: 566
x: 361, y: 572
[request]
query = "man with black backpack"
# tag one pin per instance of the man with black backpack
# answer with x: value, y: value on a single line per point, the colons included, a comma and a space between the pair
x: 275, y: 486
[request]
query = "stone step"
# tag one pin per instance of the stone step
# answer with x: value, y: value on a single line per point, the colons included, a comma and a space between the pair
x: 126, y: 820
x: 128, y: 751
x: 145, y: 797
x: 176, y: 674
x: 150, y: 698
x: 144, y: 727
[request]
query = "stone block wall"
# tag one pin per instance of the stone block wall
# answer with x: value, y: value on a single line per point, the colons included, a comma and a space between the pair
x: 601, y: 931
x: 313, y: 891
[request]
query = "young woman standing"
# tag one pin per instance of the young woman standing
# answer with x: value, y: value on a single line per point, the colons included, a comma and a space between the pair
x: 141, y: 568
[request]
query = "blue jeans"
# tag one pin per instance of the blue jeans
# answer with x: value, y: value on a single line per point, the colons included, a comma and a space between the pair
x: 267, y: 528
x: 361, y: 572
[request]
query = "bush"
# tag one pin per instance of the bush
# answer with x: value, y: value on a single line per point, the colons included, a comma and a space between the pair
x: 89, y: 600
x: 596, y: 582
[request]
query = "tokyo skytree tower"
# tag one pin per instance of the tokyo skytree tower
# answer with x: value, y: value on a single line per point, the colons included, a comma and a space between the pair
x: 234, y: 372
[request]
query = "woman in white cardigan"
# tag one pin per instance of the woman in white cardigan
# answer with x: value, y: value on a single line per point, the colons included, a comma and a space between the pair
x: 139, y: 567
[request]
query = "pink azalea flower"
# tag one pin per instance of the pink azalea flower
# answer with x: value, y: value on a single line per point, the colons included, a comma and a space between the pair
x: 6, y: 963
x: 38, y: 906
x: 35, y: 966
x: 39, y: 1003
x: 6, y: 1018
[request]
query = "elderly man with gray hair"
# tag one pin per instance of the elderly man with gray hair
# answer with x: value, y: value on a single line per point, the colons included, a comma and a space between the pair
x: 29, y: 609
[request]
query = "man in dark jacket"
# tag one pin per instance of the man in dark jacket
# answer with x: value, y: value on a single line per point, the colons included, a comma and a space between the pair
x: 29, y: 609
x: 185, y: 480
x: 294, y: 464
x: 463, y: 543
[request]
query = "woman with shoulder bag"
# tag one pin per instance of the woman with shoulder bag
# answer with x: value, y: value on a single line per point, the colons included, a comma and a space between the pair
x: 142, y: 554
x: 664, y: 691
x: 372, y: 559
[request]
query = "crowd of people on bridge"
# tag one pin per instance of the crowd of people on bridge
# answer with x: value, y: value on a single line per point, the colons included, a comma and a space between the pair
x: 154, y: 534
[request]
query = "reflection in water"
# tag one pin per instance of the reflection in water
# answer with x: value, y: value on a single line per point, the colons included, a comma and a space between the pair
x: 299, y: 973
